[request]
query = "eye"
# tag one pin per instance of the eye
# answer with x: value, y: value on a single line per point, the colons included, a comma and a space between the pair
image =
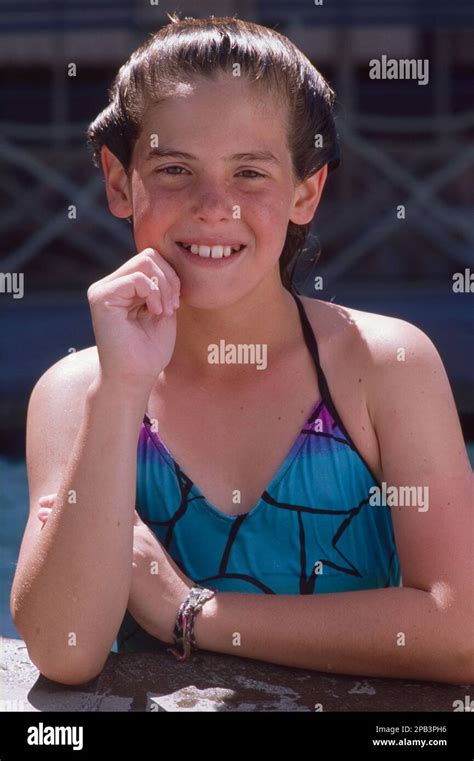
x: 167, y: 168
x: 253, y: 172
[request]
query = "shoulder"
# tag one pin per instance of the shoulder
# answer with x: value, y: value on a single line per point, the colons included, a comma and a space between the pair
x: 393, y: 358
x: 76, y: 366
x: 62, y: 387
x: 378, y: 341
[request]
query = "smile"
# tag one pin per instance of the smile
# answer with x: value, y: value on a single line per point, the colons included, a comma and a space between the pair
x: 213, y: 252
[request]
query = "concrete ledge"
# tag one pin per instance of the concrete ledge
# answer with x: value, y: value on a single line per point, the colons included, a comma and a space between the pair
x: 210, y: 682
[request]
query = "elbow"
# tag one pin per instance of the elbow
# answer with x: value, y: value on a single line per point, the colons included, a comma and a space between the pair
x: 69, y: 671
x: 71, y: 674
x: 44, y: 655
x: 70, y: 678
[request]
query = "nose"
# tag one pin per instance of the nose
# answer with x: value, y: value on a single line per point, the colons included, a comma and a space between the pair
x: 212, y: 203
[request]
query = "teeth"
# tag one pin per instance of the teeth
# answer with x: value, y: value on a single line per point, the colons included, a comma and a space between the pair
x: 215, y: 252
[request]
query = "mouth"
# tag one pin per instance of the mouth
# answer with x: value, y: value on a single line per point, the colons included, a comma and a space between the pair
x: 214, y: 252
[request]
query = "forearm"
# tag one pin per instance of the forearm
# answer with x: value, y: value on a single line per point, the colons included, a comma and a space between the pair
x: 70, y: 598
x: 394, y: 632
x: 158, y: 586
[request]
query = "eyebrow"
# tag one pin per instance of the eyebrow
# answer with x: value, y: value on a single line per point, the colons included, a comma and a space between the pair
x: 251, y: 156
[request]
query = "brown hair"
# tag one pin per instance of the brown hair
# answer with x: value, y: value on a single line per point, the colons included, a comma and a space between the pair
x: 188, y: 47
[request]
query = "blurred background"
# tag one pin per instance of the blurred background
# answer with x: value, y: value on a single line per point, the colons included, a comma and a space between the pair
x: 402, y: 143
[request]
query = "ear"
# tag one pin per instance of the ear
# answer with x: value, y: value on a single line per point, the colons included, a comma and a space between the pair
x: 307, y: 195
x: 116, y: 184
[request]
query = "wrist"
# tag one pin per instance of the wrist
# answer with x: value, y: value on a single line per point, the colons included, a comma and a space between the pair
x: 182, y: 591
x: 130, y: 396
x: 190, y: 610
x: 205, y: 623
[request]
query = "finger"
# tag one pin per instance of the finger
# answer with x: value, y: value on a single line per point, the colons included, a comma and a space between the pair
x: 125, y: 292
x: 151, y: 264
x: 131, y: 265
x: 171, y: 276
x: 47, y: 500
x: 143, y: 260
x: 43, y: 514
x: 154, y: 265
x: 154, y: 300
x: 164, y: 287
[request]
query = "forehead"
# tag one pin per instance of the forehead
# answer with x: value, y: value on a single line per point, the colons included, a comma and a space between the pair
x: 217, y: 111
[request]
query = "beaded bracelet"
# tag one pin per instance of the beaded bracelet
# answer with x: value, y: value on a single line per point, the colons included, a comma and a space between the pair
x: 183, y: 633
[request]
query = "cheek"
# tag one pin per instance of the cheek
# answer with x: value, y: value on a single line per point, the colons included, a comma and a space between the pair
x: 152, y: 213
x: 146, y: 202
x: 271, y: 213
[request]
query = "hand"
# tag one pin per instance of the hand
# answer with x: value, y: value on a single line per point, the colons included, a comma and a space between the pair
x: 158, y: 585
x: 134, y: 318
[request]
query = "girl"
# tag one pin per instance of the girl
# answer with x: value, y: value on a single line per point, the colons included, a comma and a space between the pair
x: 262, y: 527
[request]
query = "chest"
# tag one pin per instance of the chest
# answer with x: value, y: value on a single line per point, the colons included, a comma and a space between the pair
x: 231, y: 445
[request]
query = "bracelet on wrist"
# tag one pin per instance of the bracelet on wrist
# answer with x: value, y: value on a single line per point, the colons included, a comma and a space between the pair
x: 183, y: 633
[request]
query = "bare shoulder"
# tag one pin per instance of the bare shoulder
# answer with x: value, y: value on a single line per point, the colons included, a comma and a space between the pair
x: 374, y: 340
x: 70, y: 375
x: 380, y: 369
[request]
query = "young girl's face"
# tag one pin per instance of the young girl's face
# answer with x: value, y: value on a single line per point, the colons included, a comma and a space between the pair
x: 234, y: 186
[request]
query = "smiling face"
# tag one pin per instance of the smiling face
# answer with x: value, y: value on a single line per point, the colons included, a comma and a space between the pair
x: 220, y: 176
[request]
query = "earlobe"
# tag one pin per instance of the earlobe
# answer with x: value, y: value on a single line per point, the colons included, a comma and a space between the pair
x: 307, y: 197
x: 116, y: 184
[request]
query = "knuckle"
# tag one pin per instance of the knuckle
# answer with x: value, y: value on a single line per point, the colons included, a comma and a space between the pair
x: 94, y: 293
x: 148, y: 264
x: 147, y: 260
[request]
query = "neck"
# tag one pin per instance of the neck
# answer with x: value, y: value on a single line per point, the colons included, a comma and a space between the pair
x: 265, y: 319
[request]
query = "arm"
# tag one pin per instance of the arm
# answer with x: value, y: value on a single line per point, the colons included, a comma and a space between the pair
x: 72, y: 572
x: 73, y: 579
x: 359, y: 632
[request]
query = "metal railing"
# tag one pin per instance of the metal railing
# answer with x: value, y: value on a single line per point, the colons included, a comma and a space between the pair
x: 436, y: 13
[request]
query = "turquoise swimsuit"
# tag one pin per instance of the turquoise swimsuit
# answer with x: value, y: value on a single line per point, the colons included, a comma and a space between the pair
x: 312, y: 530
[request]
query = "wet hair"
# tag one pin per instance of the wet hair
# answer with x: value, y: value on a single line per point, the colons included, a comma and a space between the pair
x: 186, y: 48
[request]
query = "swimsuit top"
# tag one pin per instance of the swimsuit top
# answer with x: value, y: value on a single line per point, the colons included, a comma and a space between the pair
x: 312, y: 530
